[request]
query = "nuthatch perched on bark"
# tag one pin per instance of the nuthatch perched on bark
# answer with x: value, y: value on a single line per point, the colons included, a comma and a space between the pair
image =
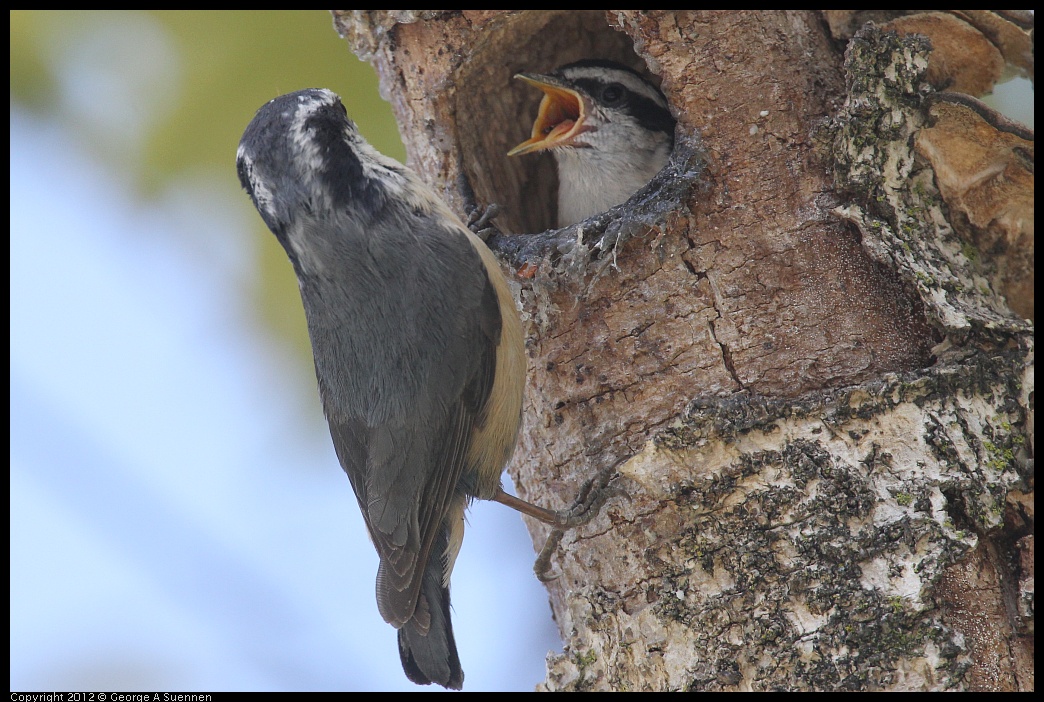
x: 418, y: 352
x: 609, y: 129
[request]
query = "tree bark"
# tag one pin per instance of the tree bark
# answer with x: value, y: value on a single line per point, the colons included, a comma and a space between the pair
x: 795, y: 341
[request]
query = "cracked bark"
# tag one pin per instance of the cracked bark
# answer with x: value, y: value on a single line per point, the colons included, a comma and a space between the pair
x: 796, y: 335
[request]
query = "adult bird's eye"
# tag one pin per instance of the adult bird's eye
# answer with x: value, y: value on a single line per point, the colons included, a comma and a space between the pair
x: 612, y: 94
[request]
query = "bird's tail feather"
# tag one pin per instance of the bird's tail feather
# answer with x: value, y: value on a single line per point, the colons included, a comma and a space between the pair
x: 426, y: 645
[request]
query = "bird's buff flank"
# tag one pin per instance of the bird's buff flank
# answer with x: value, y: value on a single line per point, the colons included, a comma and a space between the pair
x: 418, y: 351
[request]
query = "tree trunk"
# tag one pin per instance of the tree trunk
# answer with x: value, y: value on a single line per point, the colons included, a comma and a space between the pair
x: 796, y: 341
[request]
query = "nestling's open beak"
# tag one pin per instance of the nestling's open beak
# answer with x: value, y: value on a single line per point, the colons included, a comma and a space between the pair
x: 561, y: 118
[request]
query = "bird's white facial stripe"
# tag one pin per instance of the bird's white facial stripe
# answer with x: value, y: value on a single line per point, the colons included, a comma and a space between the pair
x: 379, y: 167
x: 402, y: 185
x: 609, y: 75
x: 376, y: 166
x: 309, y: 162
x: 262, y: 195
x: 301, y: 135
x: 312, y: 101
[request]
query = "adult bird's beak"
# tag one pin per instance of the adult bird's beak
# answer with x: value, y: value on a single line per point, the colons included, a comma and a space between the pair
x: 562, y: 115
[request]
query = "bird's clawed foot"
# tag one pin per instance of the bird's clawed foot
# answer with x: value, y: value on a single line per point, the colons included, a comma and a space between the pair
x: 589, y: 500
x: 480, y: 221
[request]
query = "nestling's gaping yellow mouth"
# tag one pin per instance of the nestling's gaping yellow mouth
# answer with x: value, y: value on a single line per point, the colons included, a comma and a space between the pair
x: 562, y: 116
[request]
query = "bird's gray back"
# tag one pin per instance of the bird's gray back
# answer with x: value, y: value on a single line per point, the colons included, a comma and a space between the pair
x: 411, y: 310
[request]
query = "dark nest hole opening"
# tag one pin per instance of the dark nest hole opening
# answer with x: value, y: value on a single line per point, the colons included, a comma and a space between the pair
x: 495, y: 112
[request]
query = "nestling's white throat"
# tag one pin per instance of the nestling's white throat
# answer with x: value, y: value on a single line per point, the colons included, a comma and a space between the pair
x: 609, y: 129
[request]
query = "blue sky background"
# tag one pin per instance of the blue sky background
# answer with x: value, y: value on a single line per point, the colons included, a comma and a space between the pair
x: 178, y: 517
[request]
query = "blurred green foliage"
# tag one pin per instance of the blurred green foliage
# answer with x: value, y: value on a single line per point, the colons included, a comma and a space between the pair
x: 231, y: 63
x: 226, y: 64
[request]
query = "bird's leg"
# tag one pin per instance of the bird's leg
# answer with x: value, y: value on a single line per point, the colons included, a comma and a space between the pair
x: 547, y: 516
x: 480, y: 222
x: 585, y: 506
x: 589, y: 500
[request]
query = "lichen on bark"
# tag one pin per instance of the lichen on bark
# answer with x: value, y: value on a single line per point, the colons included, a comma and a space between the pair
x: 894, y: 200
x: 835, y: 508
x: 809, y: 559
x: 812, y: 543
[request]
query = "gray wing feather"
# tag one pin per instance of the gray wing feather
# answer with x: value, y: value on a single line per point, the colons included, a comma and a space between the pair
x: 424, y: 340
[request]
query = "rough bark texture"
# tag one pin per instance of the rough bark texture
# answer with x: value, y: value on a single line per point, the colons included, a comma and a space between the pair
x: 796, y: 336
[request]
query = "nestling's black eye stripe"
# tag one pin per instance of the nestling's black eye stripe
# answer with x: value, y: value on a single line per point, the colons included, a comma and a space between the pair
x: 613, y: 94
x: 648, y: 113
x: 598, y: 89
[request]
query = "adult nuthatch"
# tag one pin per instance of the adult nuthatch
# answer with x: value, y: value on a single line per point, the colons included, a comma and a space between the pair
x: 418, y: 352
x: 609, y: 129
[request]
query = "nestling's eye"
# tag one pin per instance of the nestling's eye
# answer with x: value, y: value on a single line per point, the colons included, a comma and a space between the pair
x: 613, y: 94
